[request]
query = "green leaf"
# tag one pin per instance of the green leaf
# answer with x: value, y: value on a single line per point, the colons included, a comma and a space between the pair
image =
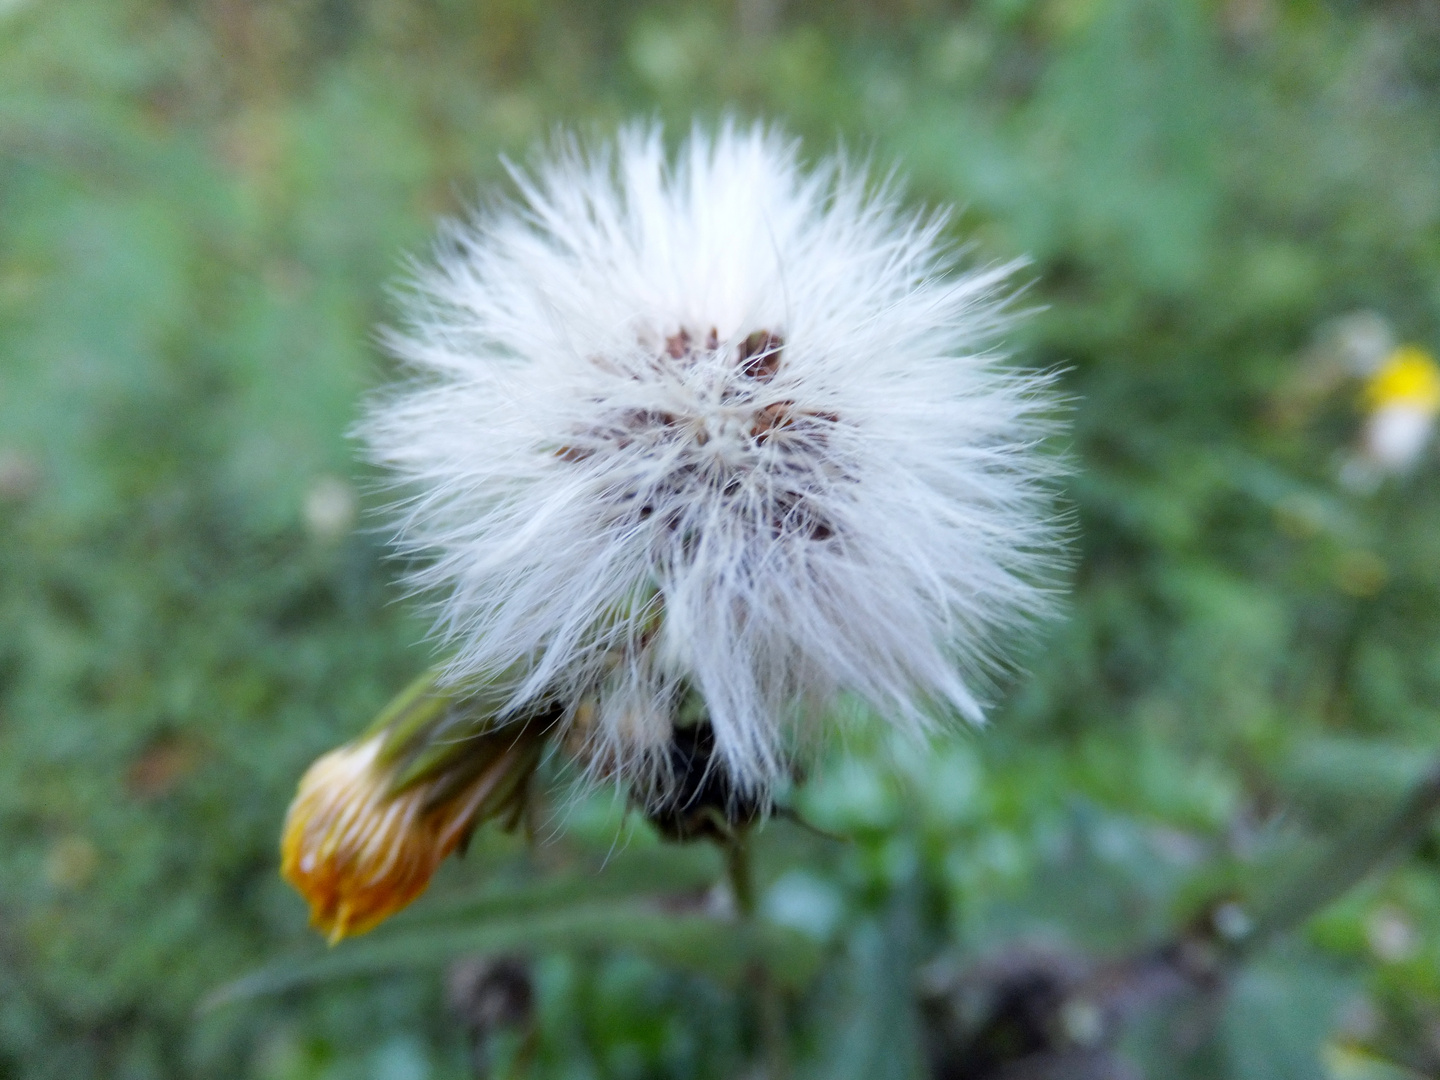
x: 719, y: 948
x: 1279, y: 1012
x: 869, y: 1023
x: 633, y: 873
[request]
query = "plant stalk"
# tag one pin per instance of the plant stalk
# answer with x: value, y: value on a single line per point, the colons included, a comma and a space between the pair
x: 769, y: 1007
x: 1348, y: 862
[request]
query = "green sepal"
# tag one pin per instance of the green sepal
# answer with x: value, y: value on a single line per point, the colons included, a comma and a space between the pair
x: 464, y: 740
x: 419, y: 704
x: 431, y: 729
x: 525, y: 747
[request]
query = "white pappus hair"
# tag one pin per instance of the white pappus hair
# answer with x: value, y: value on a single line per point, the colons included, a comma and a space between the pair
x: 716, y: 425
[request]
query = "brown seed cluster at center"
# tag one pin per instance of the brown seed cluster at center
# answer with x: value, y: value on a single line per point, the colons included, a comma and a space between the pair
x: 757, y: 361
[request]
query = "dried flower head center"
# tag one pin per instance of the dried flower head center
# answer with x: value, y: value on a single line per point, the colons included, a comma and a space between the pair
x: 720, y: 430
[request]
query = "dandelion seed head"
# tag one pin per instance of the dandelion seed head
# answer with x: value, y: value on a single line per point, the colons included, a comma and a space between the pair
x: 716, y: 427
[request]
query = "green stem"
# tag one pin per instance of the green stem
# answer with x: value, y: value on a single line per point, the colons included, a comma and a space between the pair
x: 768, y: 1004
x: 524, y: 1054
x: 1349, y: 862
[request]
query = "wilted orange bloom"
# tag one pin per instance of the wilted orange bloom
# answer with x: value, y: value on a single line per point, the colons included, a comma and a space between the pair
x: 358, y: 852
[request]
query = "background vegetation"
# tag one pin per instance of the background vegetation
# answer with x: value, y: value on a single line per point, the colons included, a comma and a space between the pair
x: 201, y: 204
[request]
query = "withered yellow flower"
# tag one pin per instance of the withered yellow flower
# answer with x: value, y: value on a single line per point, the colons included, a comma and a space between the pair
x: 359, y: 850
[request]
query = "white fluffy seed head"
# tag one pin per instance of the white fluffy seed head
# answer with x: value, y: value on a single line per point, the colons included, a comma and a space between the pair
x: 716, y: 428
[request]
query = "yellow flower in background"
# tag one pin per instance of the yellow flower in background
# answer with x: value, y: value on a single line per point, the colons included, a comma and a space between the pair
x: 1409, y: 377
x: 358, y: 850
x: 1401, y: 401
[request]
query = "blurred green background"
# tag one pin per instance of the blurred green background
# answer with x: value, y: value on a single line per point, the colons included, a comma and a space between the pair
x: 202, y: 203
